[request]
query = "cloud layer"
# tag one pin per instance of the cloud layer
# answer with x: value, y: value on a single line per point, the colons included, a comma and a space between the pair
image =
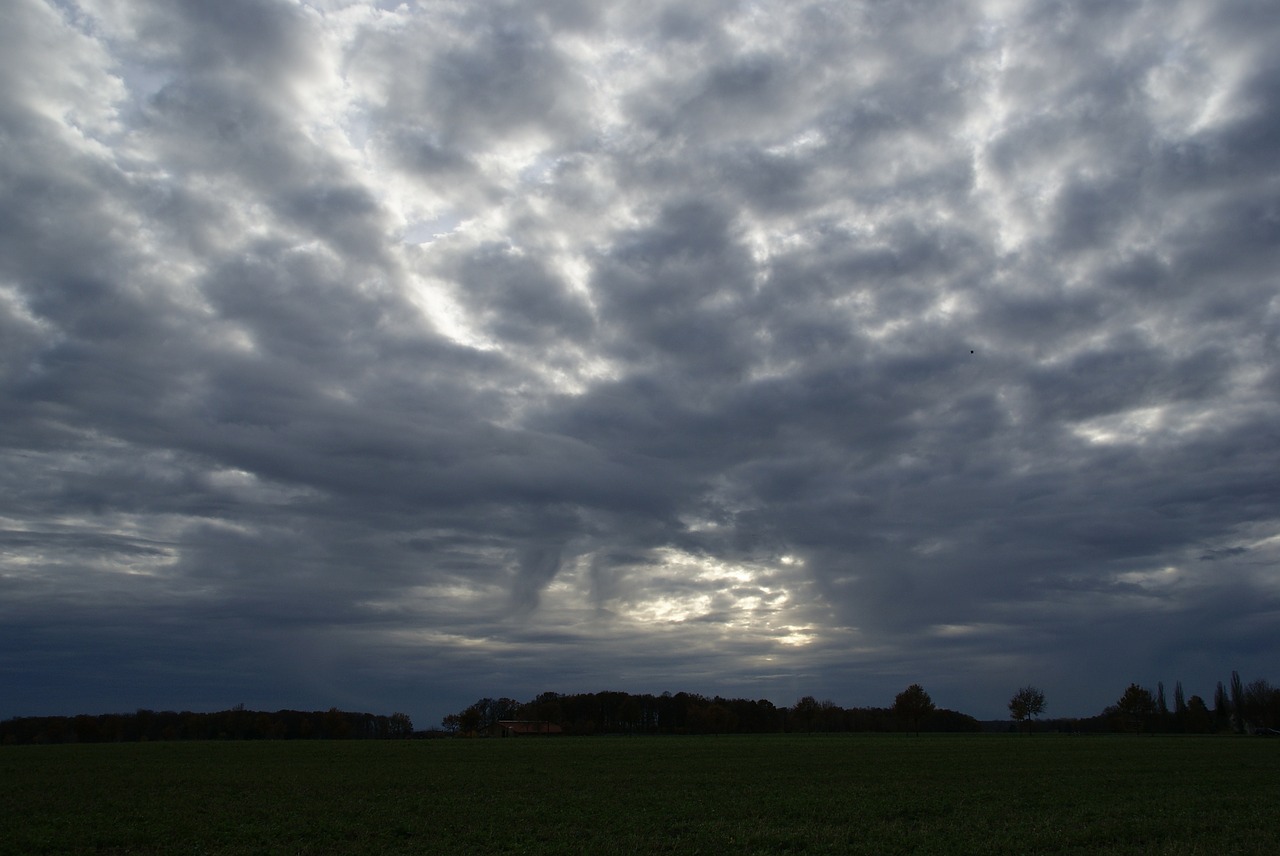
x: 392, y: 356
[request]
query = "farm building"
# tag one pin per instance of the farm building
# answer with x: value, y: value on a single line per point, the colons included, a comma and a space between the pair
x: 525, y: 728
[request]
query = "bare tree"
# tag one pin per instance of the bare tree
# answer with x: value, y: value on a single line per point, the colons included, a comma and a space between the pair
x: 1026, y: 704
x: 401, y: 725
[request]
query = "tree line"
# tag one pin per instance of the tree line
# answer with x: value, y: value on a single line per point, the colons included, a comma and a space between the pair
x: 234, y: 724
x: 614, y: 712
x: 1238, y: 707
x: 1252, y: 708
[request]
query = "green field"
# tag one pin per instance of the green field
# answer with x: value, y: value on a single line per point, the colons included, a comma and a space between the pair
x: 753, y: 794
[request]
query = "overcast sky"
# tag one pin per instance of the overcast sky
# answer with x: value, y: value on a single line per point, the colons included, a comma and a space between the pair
x: 390, y: 356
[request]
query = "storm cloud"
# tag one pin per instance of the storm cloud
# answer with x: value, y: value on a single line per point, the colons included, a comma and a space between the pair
x: 390, y: 356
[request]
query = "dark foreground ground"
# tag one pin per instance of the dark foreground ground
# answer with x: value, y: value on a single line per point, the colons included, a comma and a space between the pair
x: 759, y: 794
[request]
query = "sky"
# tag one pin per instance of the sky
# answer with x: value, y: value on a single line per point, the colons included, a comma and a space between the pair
x: 390, y: 356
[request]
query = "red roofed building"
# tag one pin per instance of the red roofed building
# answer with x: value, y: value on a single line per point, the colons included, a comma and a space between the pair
x: 525, y: 728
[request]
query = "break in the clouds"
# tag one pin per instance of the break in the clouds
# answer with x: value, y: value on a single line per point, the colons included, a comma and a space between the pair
x: 389, y: 356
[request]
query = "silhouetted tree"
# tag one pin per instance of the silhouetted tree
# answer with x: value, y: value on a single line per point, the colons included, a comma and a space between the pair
x: 1221, y: 707
x: 400, y: 726
x: 1136, y: 706
x: 469, y: 720
x: 1237, y: 702
x: 1026, y: 704
x: 944, y: 720
x: 1199, y: 720
x: 235, y: 724
x: 1261, y: 705
x: 912, y: 705
x: 805, y: 714
x: 713, y: 718
x: 757, y: 717
x: 546, y: 707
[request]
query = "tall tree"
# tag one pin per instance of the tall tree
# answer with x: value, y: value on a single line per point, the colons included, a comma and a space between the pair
x: 1179, y: 707
x: 912, y: 705
x: 1221, y: 708
x: 1237, y: 702
x: 1026, y: 704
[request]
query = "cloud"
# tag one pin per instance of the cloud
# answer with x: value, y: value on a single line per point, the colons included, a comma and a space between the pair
x: 392, y: 355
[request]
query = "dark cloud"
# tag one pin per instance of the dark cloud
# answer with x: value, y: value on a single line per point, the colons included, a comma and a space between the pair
x: 515, y: 299
x: 391, y: 356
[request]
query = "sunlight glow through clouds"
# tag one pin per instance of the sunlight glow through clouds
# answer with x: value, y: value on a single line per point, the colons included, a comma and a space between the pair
x: 1173, y: 423
x: 1154, y: 579
x: 445, y: 314
x: 1134, y: 426
x: 748, y: 599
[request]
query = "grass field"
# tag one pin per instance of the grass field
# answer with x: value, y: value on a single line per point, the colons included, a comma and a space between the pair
x: 757, y: 794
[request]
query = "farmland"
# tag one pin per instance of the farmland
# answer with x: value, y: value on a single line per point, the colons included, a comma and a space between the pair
x: 745, y: 794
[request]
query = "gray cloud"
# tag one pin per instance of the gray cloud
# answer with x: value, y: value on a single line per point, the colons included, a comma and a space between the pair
x: 391, y: 356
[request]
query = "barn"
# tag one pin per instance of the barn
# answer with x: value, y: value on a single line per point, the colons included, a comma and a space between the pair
x: 525, y: 728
